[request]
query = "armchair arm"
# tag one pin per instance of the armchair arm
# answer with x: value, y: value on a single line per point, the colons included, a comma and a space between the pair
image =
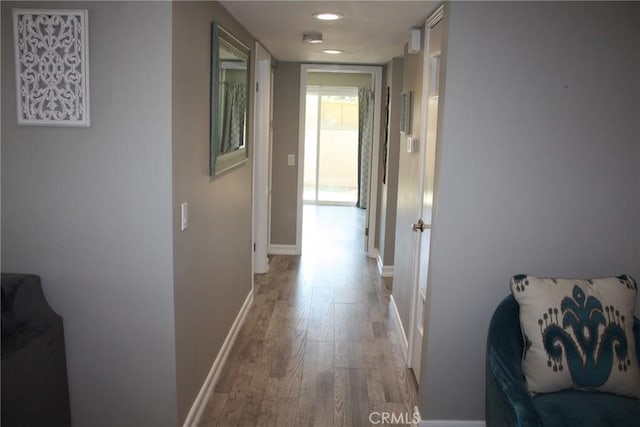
x: 508, y: 402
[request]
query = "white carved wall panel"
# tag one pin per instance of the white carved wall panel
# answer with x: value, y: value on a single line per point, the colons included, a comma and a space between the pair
x: 52, y: 66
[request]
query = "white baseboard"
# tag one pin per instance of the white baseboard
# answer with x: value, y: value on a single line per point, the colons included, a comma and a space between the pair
x: 283, y: 250
x: 195, y: 413
x: 451, y: 423
x: 393, y: 312
x: 387, y: 271
x: 384, y: 270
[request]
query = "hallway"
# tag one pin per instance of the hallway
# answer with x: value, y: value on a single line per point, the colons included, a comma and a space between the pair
x: 318, y: 346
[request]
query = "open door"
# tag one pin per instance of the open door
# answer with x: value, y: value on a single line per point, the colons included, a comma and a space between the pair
x: 433, y: 43
x: 261, y: 160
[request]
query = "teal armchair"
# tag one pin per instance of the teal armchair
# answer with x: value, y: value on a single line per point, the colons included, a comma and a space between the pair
x: 509, y: 404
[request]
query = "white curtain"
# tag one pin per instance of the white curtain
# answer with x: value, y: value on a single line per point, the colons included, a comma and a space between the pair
x: 235, y: 101
x: 365, y: 137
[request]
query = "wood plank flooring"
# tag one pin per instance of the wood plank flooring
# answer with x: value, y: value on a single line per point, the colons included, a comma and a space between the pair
x: 318, y: 347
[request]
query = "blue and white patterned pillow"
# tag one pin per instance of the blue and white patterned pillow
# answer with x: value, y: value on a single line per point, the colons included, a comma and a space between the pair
x: 578, y: 334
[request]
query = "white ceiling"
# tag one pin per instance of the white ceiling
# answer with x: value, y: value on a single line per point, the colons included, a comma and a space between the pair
x: 372, y: 32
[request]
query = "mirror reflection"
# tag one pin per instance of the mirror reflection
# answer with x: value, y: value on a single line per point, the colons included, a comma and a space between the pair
x: 229, y: 101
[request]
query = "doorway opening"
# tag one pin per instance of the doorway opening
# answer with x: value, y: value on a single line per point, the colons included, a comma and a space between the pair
x: 331, y: 146
x: 339, y: 142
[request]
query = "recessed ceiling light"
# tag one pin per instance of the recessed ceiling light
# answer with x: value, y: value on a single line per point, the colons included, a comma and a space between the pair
x: 328, y: 16
x: 312, y: 38
x: 332, y: 51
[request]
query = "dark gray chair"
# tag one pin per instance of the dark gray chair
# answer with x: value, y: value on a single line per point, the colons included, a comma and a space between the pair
x: 35, y: 391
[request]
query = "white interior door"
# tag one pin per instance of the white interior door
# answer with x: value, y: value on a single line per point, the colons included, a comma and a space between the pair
x: 433, y: 38
x: 270, y: 157
x: 261, y: 160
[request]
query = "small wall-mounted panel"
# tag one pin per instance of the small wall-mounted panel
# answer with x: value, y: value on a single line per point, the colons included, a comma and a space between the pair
x: 414, y: 44
x: 435, y: 75
x: 405, y: 112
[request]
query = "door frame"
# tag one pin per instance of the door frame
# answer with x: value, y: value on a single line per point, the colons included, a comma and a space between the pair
x: 430, y: 23
x: 372, y: 207
x: 261, y: 162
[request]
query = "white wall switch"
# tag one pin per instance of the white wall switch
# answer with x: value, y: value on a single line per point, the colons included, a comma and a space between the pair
x: 291, y: 160
x: 184, y: 216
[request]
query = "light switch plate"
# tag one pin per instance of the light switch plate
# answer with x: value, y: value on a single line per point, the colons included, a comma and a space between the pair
x: 412, y: 145
x: 291, y: 160
x: 184, y: 216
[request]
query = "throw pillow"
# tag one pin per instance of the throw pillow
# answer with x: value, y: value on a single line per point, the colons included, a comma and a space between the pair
x: 578, y: 334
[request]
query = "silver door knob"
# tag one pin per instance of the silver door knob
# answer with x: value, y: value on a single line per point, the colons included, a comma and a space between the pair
x: 419, y: 226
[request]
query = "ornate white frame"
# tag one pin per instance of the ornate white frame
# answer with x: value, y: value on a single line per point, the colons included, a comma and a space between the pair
x: 51, y: 54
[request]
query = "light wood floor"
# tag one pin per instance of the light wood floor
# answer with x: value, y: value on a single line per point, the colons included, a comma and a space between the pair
x: 318, y: 346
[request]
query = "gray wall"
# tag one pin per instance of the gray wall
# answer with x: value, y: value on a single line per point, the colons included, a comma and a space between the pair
x: 407, y: 209
x: 284, y: 179
x: 89, y: 210
x: 538, y: 171
x: 212, y: 258
x: 389, y: 190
